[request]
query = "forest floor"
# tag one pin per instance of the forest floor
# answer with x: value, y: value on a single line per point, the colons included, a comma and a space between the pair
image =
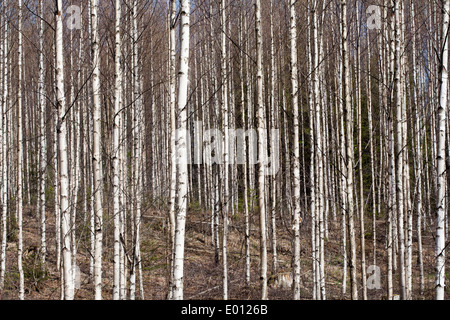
x: 202, y: 277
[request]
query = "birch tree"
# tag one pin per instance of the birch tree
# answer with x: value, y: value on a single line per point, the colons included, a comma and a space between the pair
x: 349, y: 145
x: 97, y: 161
x: 441, y: 141
x: 261, y: 149
x: 61, y: 129
x: 5, y: 136
x: 296, y: 200
x: 400, y: 150
x: 20, y: 159
x: 226, y: 144
x: 116, y: 149
x: 42, y: 138
x: 173, y: 155
x: 181, y: 155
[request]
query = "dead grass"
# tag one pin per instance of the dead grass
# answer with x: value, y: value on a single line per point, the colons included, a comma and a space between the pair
x: 203, y: 278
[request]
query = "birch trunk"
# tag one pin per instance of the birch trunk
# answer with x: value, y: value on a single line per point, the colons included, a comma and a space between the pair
x: 181, y: 150
x: 392, y: 189
x: 349, y: 145
x: 63, y: 161
x: 116, y: 150
x: 97, y: 161
x: 261, y: 149
x: 226, y: 151
x: 400, y: 151
x: 360, y: 159
x: 173, y: 167
x: 440, y: 159
x: 244, y: 155
x: 42, y: 138
x: 295, y: 110
x: 419, y: 151
x: 5, y: 137
x: 20, y: 159
x: 319, y: 152
x: 371, y: 145
x: 343, y: 167
x: 273, y: 113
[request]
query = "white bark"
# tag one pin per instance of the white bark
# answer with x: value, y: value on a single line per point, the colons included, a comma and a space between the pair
x: 97, y: 161
x: 20, y: 159
x: 138, y: 157
x: 63, y: 161
x: 182, y: 155
x: 441, y: 167
x: 261, y: 150
x: 244, y: 154
x: 372, y: 157
x: 349, y: 145
x: 419, y: 151
x: 360, y: 159
x: 173, y: 167
x: 116, y: 151
x: 4, y: 142
x: 226, y: 151
x: 320, y: 196
x: 391, y: 164
x: 296, y: 198
x: 273, y: 119
x: 400, y: 151
x: 343, y: 169
x: 42, y: 138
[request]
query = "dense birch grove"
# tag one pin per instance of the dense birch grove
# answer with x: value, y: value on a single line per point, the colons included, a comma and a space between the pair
x: 231, y: 149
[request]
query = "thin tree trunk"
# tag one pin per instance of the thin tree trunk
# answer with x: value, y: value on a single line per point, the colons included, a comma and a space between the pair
x: 273, y: 113
x: 42, y: 138
x: 226, y: 151
x: 173, y: 167
x: 5, y: 137
x: 400, y: 151
x: 116, y: 150
x: 244, y: 155
x: 349, y: 144
x: 419, y: 151
x: 20, y: 160
x: 295, y: 109
x: 343, y: 167
x: 360, y: 159
x: 372, y: 156
x: 97, y: 161
x: 441, y: 166
x: 63, y: 152
x: 182, y: 155
x: 261, y: 149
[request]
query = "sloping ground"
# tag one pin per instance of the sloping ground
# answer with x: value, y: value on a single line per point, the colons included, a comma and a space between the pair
x: 203, y: 278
